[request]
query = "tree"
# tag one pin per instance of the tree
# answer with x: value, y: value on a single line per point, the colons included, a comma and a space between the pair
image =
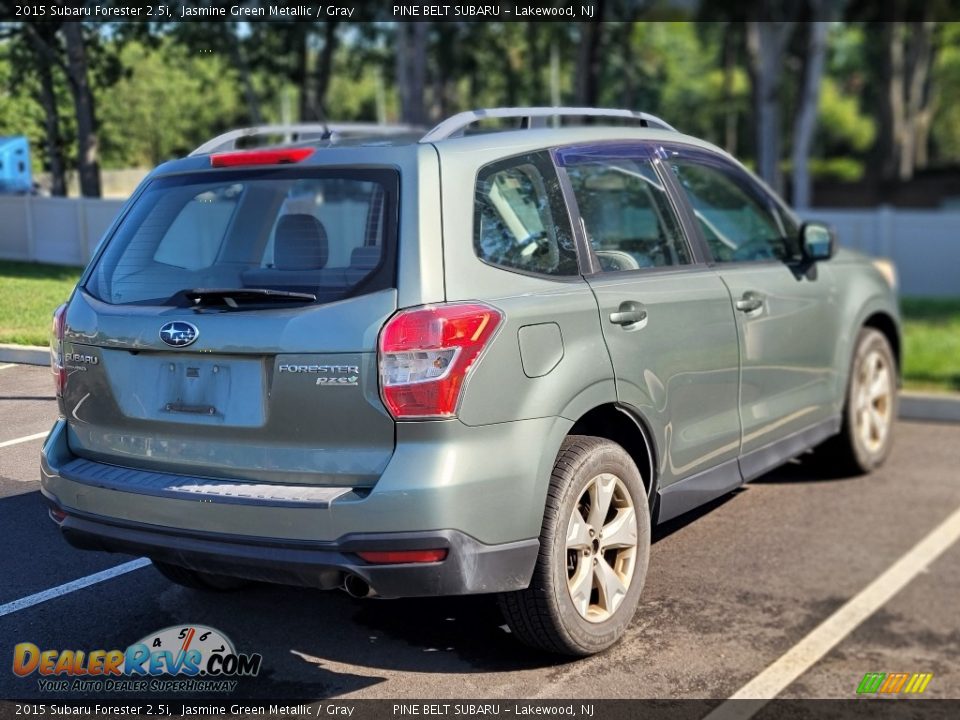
x: 766, y: 42
x: 805, y: 119
x: 588, y: 59
x: 88, y: 153
x: 411, y: 68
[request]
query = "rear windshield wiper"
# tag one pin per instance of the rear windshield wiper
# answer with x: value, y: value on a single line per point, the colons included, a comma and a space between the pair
x: 233, y: 297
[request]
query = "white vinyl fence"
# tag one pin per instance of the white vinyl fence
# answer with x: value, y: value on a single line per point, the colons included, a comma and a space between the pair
x: 924, y: 244
x: 63, y: 231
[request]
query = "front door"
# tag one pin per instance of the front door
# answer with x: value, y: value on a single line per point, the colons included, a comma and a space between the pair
x: 786, y: 309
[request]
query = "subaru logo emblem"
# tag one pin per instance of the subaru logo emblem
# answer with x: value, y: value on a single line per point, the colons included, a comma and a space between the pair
x: 179, y: 333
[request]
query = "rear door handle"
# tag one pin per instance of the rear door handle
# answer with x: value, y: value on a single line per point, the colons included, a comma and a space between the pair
x: 749, y: 302
x: 630, y: 312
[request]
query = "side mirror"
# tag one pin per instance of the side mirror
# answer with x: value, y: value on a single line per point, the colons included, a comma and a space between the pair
x: 817, y: 241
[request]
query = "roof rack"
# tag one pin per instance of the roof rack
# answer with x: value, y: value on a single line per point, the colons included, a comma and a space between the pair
x: 298, y: 132
x: 535, y: 117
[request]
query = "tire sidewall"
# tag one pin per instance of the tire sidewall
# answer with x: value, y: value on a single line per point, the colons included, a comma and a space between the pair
x: 870, y: 340
x: 593, y: 637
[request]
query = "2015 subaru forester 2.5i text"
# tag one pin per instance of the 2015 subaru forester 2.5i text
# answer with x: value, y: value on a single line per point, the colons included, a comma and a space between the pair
x: 462, y: 362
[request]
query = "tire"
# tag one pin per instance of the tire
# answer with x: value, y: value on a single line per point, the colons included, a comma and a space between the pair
x: 196, y: 580
x: 870, y: 409
x: 545, y: 615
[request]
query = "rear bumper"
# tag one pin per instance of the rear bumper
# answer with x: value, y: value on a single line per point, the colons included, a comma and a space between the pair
x: 470, y: 566
x: 443, y: 488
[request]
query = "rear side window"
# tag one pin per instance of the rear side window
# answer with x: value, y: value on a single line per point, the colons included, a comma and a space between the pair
x: 627, y: 214
x: 520, y: 220
x: 330, y: 233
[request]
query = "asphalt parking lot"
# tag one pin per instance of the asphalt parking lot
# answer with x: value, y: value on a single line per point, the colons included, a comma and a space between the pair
x: 731, y: 589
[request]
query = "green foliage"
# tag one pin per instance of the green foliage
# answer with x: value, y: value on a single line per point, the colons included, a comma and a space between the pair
x: 946, y: 78
x: 168, y: 102
x: 842, y: 125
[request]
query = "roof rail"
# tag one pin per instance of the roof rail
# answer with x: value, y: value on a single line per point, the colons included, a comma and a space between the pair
x: 300, y: 131
x: 534, y: 117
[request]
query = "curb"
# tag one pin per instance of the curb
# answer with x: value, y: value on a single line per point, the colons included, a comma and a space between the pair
x: 24, y: 354
x: 929, y: 406
x: 913, y: 405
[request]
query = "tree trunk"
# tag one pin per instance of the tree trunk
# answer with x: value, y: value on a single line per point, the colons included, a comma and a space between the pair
x: 766, y: 42
x: 588, y: 60
x: 302, y: 76
x: 88, y: 161
x: 891, y: 111
x: 917, y: 98
x: 47, y: 98
x: 243, y: 68
x: 325, y: 65
x: 805, y: 122
x: 412, y: 70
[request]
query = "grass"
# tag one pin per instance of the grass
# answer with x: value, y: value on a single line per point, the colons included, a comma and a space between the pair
x: 29, y: 292
x: 931, y: 344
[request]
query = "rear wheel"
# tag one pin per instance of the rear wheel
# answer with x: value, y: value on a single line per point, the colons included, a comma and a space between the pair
x: 594, y: 549
x: 196, y: 580
x: 866, y: 437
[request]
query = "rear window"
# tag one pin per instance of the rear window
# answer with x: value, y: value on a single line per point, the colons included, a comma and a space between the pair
x: 329, y: 233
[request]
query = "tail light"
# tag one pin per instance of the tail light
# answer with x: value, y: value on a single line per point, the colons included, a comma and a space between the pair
x: 426, y: 353
x: 56, y: 349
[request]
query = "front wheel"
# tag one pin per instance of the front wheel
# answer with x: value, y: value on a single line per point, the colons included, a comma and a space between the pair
x: 594, y: 549
x: 866, y: 436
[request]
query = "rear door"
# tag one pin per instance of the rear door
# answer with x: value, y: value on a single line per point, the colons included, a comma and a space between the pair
x: 229, y: 328
x: 665, y: 315
x: 786, y: 311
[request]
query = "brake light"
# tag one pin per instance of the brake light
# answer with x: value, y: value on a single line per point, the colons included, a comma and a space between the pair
x: 392, y: 557
x: 426, y: 353
x: 284, y: 156
x: 57, y: 328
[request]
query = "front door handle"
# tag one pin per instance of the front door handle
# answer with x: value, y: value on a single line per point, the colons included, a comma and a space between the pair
x: 749, y: 302
x: 629, y: 313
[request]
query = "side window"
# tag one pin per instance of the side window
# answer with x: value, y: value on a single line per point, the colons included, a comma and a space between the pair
x: 627, y: 215
x: 520, y: 220
x: 737, y: 218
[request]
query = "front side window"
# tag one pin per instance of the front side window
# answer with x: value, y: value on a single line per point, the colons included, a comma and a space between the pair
x: 627, y: 214
x: 322, y: 232
x: 520, y: 220
x: 739, y: 222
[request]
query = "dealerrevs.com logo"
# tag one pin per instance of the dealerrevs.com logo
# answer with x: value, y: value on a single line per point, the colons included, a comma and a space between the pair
x: 182, y: 658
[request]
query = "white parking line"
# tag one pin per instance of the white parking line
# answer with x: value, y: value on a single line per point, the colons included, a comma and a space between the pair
x: 822, y: 639
x: 28, y: 438
x: 43, y: 596
x: 8, y: 365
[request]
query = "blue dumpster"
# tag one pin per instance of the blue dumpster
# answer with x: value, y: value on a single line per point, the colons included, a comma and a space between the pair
x: 15, y: 175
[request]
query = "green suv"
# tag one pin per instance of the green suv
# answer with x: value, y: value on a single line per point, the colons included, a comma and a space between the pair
x: 458, y: 362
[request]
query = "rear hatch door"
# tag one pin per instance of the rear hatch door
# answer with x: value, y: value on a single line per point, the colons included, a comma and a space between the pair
x: 229, y: 328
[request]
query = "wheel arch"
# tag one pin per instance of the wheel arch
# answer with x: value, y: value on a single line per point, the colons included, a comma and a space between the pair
x: 884, y: 323
x: 627, y: 428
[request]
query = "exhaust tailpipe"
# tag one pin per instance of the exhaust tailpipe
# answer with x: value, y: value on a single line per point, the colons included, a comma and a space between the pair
x: 355, y: 586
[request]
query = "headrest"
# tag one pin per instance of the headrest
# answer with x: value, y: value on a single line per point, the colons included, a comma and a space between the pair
x: 300, y: 243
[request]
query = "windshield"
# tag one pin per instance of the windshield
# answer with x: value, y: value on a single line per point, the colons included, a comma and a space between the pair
x: 324, y: 233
